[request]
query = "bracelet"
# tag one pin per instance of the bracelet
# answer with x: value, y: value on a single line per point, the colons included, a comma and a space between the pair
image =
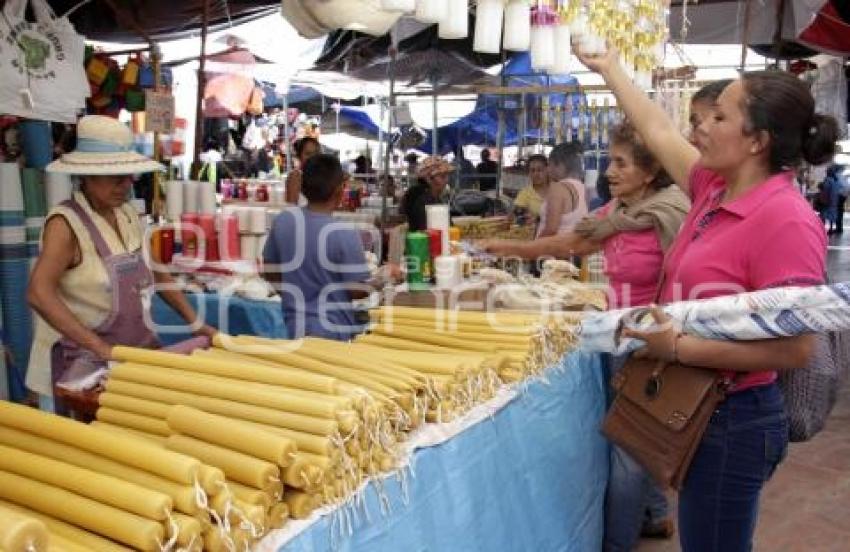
x: 679, y: 336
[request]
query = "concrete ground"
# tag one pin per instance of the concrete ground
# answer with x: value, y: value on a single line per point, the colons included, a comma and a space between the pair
x: 805, y: 507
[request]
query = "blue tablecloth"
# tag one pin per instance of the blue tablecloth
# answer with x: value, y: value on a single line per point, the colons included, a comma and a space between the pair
x: 230, y: 314
x: 532, y: 478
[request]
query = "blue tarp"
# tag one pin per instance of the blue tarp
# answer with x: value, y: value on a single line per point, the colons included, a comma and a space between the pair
x: 482, y: 125
x: 230, y: 314
x: 532, y: 477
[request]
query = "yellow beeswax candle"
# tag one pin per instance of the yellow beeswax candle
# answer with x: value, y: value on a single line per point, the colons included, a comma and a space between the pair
x: 110, y: 522
x: 235, y: 465
x: 223, y: 407
x: 133, y: 421
x: 182, y: 495
x: 86, y: 539
x: 232, y: 434
x: 21, y: 533
x: 132, y: 452
x: 100, y: 487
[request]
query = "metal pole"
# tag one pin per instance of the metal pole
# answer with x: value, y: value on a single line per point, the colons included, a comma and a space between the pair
x: 286, y: 134
x: 199, y: 107
x: 156, y: 203
x: 391, y: 119
x: 435, y: 144
x: 746, y: 35
x: 500, y: 133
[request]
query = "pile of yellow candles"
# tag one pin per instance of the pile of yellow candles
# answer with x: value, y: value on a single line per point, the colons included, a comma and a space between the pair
x: 210, y: 451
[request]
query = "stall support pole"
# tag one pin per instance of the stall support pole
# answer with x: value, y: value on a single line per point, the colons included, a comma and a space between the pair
x: 286, y: 134
x: 435, y: 145
x: 390, y: 120
x: 746, y: 36
x: 500, y: 131
x: 199, y: 104
x: 156, y: 203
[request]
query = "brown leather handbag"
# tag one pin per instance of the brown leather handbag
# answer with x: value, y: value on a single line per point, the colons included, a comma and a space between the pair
x: 660, y: 414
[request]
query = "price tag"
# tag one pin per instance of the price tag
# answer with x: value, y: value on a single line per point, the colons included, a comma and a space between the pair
x: 159, y: 112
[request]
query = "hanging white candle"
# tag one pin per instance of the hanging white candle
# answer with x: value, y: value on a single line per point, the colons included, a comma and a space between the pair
x: 431, y: 11
x: 542, y: 39
x: 517, y: 26
x: 563, y: 52
x: 398, y: 5
x: 456, y: 23
x: 488, y: 26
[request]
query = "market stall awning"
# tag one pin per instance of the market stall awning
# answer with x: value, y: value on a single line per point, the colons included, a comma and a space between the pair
x: 126, y: 20
x: 821, y: 25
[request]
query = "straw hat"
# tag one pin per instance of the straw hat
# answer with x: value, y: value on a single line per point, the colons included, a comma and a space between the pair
x: 433, y: 166
x: 104, y: 146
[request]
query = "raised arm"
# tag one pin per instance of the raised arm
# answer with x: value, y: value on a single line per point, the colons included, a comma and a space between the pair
x: 665, y: 141
x: 562, y: 247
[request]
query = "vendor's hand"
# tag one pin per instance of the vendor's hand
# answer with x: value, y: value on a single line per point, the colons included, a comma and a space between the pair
x: 393, y: 273
x: 103, y: 351
x: 598, y: 63
x: 499, y: 248
x: 660, y: 338
x: 206, y: 331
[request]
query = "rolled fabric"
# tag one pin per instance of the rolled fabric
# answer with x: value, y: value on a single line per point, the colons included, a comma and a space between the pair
x: 35, y: 201
x: 765, y: 314
x: 14, y: 275
x: 58, y: 187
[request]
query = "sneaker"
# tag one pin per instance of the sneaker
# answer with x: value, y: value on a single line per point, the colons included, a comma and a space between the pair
x: 663, y: 528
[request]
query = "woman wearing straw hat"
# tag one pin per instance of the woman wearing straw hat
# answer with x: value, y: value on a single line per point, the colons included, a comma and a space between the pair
x: 88, y: 282
x: 433, y: 176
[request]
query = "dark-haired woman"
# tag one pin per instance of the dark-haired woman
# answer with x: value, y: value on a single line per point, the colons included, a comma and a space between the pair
x: 305, y: 148
x: 529, y: 200
x: 749, y: 229
x: 564, y: 204
x: 702, y: 104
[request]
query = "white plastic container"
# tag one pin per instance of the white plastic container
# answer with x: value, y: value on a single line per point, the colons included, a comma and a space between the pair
x: 488, y: 26
x: 517, y: 26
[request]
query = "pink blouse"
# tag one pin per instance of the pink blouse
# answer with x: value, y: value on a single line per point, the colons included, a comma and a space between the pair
x: 769, y: 237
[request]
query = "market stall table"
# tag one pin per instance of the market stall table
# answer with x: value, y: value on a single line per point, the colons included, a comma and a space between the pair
x: 530, y: 477
x: 229, y: 313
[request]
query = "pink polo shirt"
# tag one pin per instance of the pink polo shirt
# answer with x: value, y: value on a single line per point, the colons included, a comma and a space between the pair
x: 769, y: 237
x: 632, y: 264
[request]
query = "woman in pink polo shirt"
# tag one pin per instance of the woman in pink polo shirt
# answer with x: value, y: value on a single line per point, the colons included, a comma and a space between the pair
x: 748, y: 229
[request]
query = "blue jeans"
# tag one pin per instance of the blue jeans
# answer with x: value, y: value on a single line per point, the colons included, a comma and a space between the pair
x: 745, y: 441
x: 632, y: 496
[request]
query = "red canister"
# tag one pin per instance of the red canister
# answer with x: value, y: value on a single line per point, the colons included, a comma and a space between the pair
x: 262, y: 193
x: 207, y: 225
x: 435, y: 243
x: 189, y: 234
x: 242, y: 192
x: 228, y: 238
x: 166, y: 245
